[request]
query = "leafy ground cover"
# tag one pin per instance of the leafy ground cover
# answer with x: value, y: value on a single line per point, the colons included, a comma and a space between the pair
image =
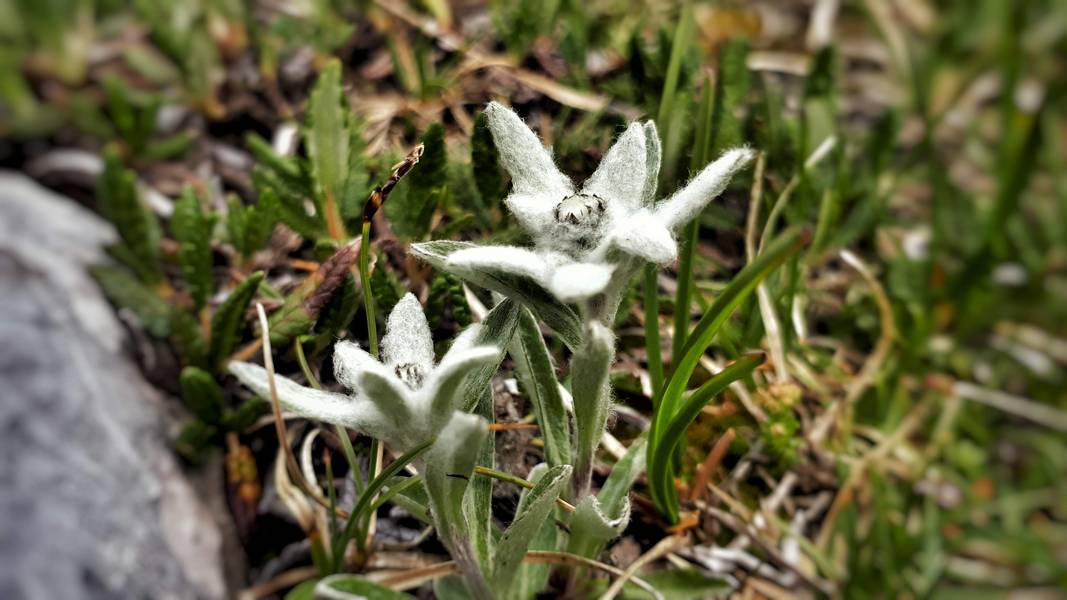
x: 906, y: 435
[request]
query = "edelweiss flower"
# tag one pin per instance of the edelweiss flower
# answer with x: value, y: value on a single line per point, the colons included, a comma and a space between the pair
x: 583, y: 236
x: 403, y: 400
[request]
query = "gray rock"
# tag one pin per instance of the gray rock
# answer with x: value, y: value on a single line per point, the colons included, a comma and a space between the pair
x: 92, y: 502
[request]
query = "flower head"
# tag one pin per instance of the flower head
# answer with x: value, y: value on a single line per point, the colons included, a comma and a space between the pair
x: 404, y: 399
x: 583, y: 237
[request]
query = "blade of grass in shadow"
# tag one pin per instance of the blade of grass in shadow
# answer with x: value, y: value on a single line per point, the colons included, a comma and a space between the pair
x: 358, y: 517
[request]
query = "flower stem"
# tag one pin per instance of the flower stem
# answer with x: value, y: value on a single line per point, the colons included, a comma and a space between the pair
x: 590, y: 366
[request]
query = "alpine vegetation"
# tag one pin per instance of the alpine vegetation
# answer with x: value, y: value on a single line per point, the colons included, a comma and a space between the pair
x: 404, y: 399
x: 589, y: 242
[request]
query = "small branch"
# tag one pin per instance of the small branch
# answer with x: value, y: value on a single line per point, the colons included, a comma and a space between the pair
x: 666, y: 545
x: 519, y: 481
x: 1025, y: 408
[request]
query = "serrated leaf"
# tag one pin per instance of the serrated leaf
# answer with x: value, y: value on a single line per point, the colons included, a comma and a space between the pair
x: 339, y: 311
x: 201, y: 394
x: 126, y: 291
x: 249, y: 226
x: 524, y: 290
x: 536, y: 507
x: 195, y: 440
x: 327, y: 130
x: 538, y: 376
x: 228, y: 318
x: 410, y: 211
x: 192, y: 230
x: 292, y: 208
x: 446, y: 302
x: 187, y: 337
x: 385, y: 287
x: 303, y: 305
x: 352, y: 587
x: 244, y: 416
x: 138, y: 227
x: 485, y: 164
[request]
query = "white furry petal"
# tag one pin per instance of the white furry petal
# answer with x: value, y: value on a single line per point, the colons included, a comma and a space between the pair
x: 572, y: 282
x: 327, y: 407
x: 535, y: 211
x: 653, y: 156
x: 440, y: 394
x: 510, y: 259
x: 529, y: 163
x: 621, y: 174
x: 463, y: 342
x: 407, y: 341
x: 349, y: 360
x: 643, y: 235
x: 687, y: 203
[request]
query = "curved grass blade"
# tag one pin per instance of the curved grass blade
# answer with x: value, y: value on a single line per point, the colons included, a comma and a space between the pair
x: 786, y: 245
x: 660, y: 473
x: 366, y: 500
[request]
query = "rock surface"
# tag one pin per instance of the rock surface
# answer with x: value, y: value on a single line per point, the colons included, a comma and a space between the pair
x: 92, y: 502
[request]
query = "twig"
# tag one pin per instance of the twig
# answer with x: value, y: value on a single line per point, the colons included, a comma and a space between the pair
x: 862, y: 382
x: 666, y: 545
x: 766, y: 307
x: 718, y: 451
x: 279, y: 423
x: 1015, y: 405
x: 282, y: 581
x: 412, y: 578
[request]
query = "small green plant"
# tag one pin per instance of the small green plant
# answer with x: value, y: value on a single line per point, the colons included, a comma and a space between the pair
x: 589, y: 243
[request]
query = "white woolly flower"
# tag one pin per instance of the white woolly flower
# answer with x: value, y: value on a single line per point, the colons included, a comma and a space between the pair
x: 402, y: 400
x: 582, y: 236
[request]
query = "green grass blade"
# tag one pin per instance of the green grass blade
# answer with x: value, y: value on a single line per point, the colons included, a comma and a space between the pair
x: 362, y: 509
x: 660, y: 473
x: 786, y: 245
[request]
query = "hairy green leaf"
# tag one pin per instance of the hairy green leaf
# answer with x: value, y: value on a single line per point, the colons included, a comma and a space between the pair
x: 537, y: 505
x: 592, y: 398
x: 523, y: 290
x: 485, y: 164
x: 538, y: 376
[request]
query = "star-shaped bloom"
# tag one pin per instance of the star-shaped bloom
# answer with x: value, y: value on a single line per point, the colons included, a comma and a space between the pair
x: 402, y: 400
x: 583, y: 237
